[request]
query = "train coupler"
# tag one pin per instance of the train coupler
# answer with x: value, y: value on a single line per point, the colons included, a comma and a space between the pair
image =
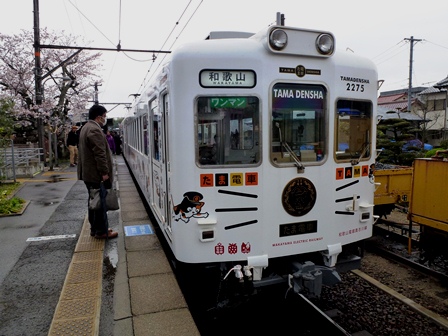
x: 309, y: 278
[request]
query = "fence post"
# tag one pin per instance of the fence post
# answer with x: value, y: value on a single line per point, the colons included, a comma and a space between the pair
x: 50, y: 149
x: 13, y: 163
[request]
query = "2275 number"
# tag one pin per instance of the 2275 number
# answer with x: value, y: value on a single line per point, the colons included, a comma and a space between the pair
x: 354, y: 87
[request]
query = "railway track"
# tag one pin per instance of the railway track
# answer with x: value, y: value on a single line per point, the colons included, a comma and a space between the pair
x: 323, y: 324
x: 394, y: 246
x: 366, y: 306
x: 275, y: 309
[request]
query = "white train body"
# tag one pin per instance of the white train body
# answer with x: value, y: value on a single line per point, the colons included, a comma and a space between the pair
x: 246, y: 153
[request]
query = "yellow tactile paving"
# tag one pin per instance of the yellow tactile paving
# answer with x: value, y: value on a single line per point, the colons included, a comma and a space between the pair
x: 87, y: 255
x: 48, y: 176
x: 76, y: 290
x: 75, y: 327
x: 85, y: 275
x: 90, y: 266
x: 88, y: 243
x: 40, y: 181
x: 78, y: 309
x: 72, y: 309
x: 49, y: 173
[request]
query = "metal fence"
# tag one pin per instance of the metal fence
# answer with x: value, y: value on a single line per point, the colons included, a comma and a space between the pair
x: 19, y: 161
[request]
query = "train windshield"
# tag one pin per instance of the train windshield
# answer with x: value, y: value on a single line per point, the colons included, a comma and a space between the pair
x: 227, y: 130
x: 298, y: 123
x: 353, y: 130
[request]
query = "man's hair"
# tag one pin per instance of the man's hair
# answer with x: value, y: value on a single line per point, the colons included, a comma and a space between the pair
x: 95, y: 111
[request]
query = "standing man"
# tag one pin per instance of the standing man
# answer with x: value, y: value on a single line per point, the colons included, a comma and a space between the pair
x: 117, y: 139
x: 95, y: 167
x: 72, y: 144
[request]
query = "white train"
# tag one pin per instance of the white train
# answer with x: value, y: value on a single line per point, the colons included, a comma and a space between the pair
x: 253, y: 152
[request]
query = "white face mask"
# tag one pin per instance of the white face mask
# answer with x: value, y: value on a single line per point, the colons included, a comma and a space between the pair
x: 103, y: 122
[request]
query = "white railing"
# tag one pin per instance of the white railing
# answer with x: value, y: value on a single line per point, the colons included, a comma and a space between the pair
x: 20, y: 161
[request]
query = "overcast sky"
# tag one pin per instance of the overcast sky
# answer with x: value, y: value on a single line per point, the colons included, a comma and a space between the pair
x: 379, y: 30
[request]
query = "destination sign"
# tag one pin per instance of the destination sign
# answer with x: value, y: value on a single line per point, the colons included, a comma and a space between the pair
x: 211, y: 78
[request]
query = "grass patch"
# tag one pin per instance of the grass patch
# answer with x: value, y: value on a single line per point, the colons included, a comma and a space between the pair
x: 10, y: 205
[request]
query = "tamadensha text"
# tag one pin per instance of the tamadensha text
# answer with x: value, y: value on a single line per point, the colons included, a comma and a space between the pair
x: 355, y: 80
x: 304, y: 94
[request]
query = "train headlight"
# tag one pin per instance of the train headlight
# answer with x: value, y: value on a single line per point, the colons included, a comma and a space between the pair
x: 325, y: 44
x: 278, y: 39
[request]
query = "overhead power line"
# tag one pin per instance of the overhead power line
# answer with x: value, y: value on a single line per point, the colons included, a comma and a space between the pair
x: 53, y: 46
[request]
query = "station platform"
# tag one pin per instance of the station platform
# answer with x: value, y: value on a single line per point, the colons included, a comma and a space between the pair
x: 147, y: 299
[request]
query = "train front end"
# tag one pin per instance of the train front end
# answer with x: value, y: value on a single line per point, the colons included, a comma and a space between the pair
x: 270, y: 176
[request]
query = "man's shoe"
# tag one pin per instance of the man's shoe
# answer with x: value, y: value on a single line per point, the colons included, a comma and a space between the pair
x: 109, y: 235
x: 92, y: 234
x: 72, y: 165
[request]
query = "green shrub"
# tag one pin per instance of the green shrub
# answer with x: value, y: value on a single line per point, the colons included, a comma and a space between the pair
x: 11, y: 206
x: 432, y: 152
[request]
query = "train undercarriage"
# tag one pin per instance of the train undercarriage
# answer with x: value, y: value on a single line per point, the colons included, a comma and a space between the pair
x: 225, y: 285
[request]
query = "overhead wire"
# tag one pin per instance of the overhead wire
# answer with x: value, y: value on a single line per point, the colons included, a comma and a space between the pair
x: 90, y: 22
x: 66, y: 12
x: 438, y: 45
x: 389, y: 54
x: 144, y: 82
x: 154, y: 57
x: 393, y: 49
x: 119, y: 37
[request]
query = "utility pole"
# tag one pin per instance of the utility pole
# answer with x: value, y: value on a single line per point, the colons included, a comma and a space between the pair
x: 38, y: 79
x: 95, y: 96
x: 412, y: 40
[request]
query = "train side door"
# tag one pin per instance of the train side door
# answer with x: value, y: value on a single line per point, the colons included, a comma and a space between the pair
x: 158, y: 162
x: 165, y: 137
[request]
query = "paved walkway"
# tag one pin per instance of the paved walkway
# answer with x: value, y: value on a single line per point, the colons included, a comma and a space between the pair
x: 147, y: 298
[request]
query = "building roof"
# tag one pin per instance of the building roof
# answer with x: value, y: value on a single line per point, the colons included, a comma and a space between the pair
x: 438, y: 87
x: 391, y: 113
x: 429, y: 90
x: 414, y: 90
x: 443, y: 84
x: 395, y: 106
x: 392, y: 98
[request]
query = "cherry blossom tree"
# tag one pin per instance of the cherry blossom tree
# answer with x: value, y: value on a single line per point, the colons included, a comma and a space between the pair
x: 6, y: 121
x: 67, y: 85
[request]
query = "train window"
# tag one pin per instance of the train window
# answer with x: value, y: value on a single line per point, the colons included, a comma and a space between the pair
x: 155, y: 138
x: 353, y: 130
x: 227, y: 130
x: 139, y: 137
x: 298, y: 123
x: 145, y: 134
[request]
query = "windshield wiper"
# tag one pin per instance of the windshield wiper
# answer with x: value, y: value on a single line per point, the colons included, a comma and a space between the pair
x: 365, y: 148
x: 299, y: 164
